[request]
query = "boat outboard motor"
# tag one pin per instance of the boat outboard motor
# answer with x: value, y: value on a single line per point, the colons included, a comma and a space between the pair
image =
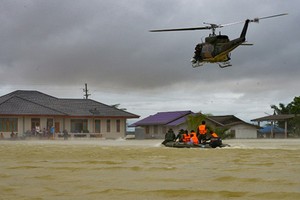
x: 215, y: 142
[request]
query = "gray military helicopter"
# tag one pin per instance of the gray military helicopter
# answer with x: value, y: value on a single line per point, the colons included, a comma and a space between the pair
x: 217, y: 48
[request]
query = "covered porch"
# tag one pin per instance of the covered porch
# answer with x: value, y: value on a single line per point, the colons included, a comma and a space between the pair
x: 275, y: 118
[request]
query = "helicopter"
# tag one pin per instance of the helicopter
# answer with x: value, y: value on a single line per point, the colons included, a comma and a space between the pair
x: 217, y: 48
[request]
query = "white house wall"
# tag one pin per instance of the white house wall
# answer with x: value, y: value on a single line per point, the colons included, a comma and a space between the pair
x: 24, y: 124
x: 27, y: 125
x: 103, y: 132
x: 244, y: 131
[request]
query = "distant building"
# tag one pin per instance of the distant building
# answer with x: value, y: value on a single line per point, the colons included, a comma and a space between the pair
x: 237, y: 127
x: 155, y: 126
x: 276, y: 118
x: 271, y: 131
x: 22, y: 111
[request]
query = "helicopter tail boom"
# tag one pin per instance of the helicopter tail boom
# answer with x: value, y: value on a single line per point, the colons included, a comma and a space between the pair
x: 256, y: 20
x: 244, y: 31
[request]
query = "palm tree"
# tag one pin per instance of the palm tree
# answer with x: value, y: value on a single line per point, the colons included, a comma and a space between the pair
x: 194, y: 120
x: 282, y: 109
x: 117, y: 106
x: 292, y: 108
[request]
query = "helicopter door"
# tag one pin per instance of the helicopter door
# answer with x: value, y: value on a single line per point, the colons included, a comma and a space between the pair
x: 207, y: 50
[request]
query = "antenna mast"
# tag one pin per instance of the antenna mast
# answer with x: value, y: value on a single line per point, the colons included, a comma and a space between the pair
x: 85, y: 90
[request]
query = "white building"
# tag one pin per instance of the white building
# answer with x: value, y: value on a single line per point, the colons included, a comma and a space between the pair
x: 25, y: 111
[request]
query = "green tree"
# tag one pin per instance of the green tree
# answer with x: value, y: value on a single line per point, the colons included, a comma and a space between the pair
x: 117, y: 106
x: 294, y: 106
x: 291, y: 108
x: 193, y: 121
x: 281, y: 109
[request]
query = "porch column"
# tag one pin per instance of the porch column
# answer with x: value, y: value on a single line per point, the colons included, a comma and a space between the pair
x: 285, y: 129
x: 272, y: 129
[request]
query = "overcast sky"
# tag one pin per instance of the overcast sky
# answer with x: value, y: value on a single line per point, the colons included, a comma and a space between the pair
x: 57, y: 46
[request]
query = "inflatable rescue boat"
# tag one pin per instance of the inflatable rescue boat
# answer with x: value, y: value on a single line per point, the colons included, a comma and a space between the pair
x: 213, y: 143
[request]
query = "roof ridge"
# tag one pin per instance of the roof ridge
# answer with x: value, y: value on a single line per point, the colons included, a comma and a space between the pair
x: 97, y: 102
x: 175, y: 111
x: 209, y: 118
x: 183, y: 115
x: 17, y: 92
x: 6, y: 99
x: 38, y: 104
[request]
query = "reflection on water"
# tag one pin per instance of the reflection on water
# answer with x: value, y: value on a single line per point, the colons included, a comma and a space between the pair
x: 107, y: 169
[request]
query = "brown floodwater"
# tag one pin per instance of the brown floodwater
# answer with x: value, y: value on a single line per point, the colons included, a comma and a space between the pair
x: 142, y: 169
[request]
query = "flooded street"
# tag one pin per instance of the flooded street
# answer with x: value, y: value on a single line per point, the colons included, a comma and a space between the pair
x: 142, y: 169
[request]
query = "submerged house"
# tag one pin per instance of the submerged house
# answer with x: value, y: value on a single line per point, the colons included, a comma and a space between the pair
x: 238, y: 128
x: 155, y: 126
x: 22, y: 111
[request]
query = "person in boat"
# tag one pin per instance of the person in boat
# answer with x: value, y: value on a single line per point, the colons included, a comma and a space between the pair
x: 169, y: 136
x: 215, y: 140
x: 194, y: 138
x: 213, y: 134
x: 201, y: 132
x: 186, y: 137
x: 179, y: 136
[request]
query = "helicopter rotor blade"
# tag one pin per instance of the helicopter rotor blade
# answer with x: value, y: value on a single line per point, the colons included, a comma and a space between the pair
x: 215, y: 26
x: 267, y: 17
x: 273, y: 16
x: 182, y: 29
x: 233, y: 23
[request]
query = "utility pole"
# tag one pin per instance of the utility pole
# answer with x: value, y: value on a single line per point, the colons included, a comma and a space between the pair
x: 86, y: 94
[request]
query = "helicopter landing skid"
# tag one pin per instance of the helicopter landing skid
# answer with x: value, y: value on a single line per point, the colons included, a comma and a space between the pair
x: 196, y: 63
x: 224, y: 64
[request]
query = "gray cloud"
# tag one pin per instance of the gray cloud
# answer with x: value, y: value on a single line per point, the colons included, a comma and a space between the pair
x: 57, y: 46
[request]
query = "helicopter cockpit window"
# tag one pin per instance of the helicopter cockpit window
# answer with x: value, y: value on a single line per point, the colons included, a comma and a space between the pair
x: 198, y: 50
x: 208, y: 48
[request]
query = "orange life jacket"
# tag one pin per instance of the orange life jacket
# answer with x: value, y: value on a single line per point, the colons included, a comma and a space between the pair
x: 214, y: 135
x: 194, y: 139
x: 186, y: 137
x: 202, y: 129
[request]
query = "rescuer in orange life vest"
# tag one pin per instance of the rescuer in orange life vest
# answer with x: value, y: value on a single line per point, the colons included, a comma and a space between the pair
x: 201, y: 132
x: 186, y: 137
x: 194, y: 139
x: 215, y: 140
x: 213, y: 134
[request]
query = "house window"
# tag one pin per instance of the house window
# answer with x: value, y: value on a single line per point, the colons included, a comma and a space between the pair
x: 8, y: 124
x: 79, y: 125
x: 118, y: 123
x: 35, y: 123
x: 164, y: 130
x: 155, y: 129
x: 108, y: 125
x: 98, y: 126
x: 232, y: 133
x: 147, y: 130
